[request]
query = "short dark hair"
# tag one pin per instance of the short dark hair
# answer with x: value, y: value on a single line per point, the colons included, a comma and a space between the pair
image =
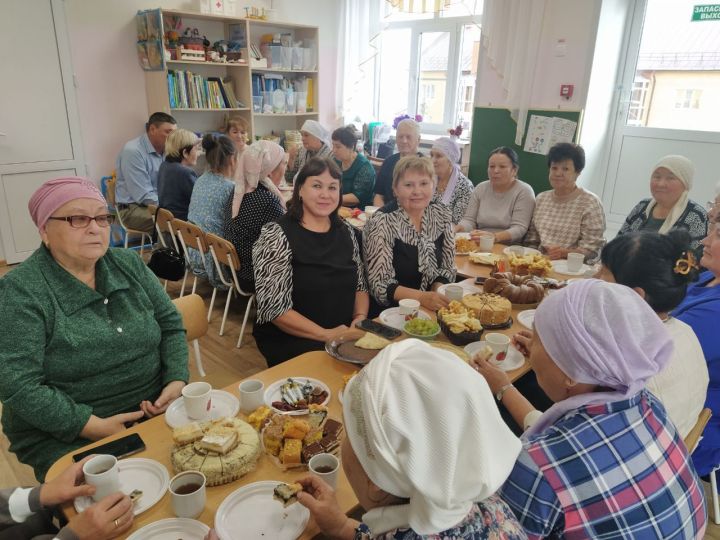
x: 565, y: 150
x: 218, y: 151
x: 509, y: 152
x: 647, y: 260
x: 158, y: 118
x: 346, y: 135
x: 313, y: 167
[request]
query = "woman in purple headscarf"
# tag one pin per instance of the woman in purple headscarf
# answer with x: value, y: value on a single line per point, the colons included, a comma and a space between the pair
x: 90, y: 341
x: 605, y: 460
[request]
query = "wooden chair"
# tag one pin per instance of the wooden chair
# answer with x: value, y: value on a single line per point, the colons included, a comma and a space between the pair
x: 693, y: 437
x: 223, y: 253
x: 190, y: 236
x: 192, y: 310
x: 110, y: 196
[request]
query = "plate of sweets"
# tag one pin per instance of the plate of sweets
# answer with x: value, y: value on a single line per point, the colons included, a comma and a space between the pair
x: 290, y: 441
x: 464, y: 245
x: 354, y: 216
x: 293, y: 395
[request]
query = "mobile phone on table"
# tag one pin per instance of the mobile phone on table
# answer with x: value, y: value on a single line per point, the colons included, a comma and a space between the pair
x: 380, y: 329
x: 480, y: 280
x: 120, y: 448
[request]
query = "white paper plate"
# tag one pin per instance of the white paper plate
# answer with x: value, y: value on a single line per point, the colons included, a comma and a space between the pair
x: 463, y: 235
x: 560, y: 266
x: 513, y: 360
x: 147, y: 475
x: 393, y: 317
x: 467, y: 288
x: 526, y: 318
x: 526, y: 250
x: 272, y: 393
x: 222, y: 404
x: 251, y: 512
x: 172, y: 529
x: 340, y: 396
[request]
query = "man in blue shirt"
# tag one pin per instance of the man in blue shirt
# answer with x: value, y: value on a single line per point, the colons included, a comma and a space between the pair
x: 137, y: 169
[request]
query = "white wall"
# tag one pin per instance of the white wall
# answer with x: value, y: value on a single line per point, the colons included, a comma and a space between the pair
x: 575, y: 22
x: 111, y: 85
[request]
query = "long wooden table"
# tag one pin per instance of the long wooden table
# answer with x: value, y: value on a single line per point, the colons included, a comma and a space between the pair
x: 158, y: 441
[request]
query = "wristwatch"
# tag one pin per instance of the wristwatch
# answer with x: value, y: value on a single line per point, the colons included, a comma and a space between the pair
x: 500, y: 393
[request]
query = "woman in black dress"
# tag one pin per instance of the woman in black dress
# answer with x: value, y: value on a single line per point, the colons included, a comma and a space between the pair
x: 309, y: 277
x: 409, y: 245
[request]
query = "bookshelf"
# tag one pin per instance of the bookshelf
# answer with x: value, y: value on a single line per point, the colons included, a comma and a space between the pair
x: 239, y: 76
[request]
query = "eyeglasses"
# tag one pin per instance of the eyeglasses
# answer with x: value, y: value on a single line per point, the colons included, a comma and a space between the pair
x: 710, y: 205
x: 81, y: 222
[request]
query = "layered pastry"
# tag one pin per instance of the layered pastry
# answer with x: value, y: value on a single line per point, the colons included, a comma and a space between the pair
x: 490, y: 309
x: 223, y: 450
x: 287, y: 493
x: 533, y: 264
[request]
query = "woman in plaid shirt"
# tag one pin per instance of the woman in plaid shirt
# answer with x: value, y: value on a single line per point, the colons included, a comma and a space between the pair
x: 567, y: 219
x: 604, y: 461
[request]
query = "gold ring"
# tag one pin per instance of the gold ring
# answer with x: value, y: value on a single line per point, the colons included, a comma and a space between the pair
x: 116, y: 524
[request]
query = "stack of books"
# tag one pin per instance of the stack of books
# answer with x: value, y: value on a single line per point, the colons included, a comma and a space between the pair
x: 188, y: 90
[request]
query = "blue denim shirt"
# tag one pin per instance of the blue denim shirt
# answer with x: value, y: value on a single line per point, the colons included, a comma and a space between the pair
x: 137, y: 170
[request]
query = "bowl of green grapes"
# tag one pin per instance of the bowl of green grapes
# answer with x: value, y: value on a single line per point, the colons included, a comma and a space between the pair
x: 421, y: 328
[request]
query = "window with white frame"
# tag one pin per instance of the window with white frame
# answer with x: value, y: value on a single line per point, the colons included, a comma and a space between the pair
x: 687, y: 98
x: 428, y: 63
x: 637, y: 112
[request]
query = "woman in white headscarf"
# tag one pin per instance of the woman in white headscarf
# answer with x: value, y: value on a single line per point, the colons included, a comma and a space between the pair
x: 256, y: 201
x: 420, y: 465
x: 315, y: 143
x: 604, y: 461
x: 670, y: 207
x: 453, y: 188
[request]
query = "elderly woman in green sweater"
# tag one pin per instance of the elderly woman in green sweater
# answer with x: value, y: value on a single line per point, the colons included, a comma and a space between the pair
x: 90, y: 342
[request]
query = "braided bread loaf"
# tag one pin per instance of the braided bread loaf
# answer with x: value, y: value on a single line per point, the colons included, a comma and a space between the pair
x: 517, y: 289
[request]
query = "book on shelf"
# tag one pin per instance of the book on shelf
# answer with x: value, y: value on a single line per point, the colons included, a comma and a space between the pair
x: 187, y: 90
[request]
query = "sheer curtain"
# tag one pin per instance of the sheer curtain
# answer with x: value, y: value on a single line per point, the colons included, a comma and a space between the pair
x: 511, y: 32
x: 358, y: 33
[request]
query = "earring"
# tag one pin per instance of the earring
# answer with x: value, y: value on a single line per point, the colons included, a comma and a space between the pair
x: 300, y: 198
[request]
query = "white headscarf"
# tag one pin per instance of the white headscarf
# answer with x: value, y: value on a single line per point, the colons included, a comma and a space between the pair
x: 684, y: 170
x: 256, y: 163
x: 315, y: 128
x: 424, y: 426
x: 451, y: 151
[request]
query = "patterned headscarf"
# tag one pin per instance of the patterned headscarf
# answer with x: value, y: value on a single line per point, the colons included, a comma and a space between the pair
x: 603, y: 334
x: 55, y: 193
x: 256, y: 163
x: 450, y: 149
x: 441, y: 454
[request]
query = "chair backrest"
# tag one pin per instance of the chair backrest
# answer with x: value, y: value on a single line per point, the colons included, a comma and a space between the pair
x: 692, y: 439
x: 224, y: 251
x: 152, y: 208
x: 194, y: 315
x: 191, y: 235
x: 164, y: 216
x: 110, y: 194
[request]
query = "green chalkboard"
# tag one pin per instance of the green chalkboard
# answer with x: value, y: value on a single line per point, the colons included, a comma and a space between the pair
x: 494, y: 127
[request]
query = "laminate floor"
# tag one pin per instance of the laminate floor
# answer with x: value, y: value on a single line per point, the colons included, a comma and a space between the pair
x: 223, y: 365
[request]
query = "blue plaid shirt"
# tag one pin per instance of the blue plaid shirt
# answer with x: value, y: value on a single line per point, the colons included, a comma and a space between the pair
x: 617, y: 470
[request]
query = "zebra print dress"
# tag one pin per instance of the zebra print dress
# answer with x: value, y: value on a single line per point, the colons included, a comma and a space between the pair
x: 315, y: 274
x: 396, y: 254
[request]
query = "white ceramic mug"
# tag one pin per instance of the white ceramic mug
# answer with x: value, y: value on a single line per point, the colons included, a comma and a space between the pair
x: 252, y: 394
x: 103, y: 472
x: 454, y: 292
x: 499, y: 344
x: 187, y: 492
x: 486, y: 242
x: 575, y: 261
x: 325, y: 466
x: 408, y: 307
x: 197, y: 400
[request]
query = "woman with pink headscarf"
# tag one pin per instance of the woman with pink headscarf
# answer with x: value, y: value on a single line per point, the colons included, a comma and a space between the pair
x: 605, y: 460
x: 257, y: 201
x: 90, y: 341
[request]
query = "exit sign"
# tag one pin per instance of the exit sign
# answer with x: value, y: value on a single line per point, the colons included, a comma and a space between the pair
x: 706, y: 12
